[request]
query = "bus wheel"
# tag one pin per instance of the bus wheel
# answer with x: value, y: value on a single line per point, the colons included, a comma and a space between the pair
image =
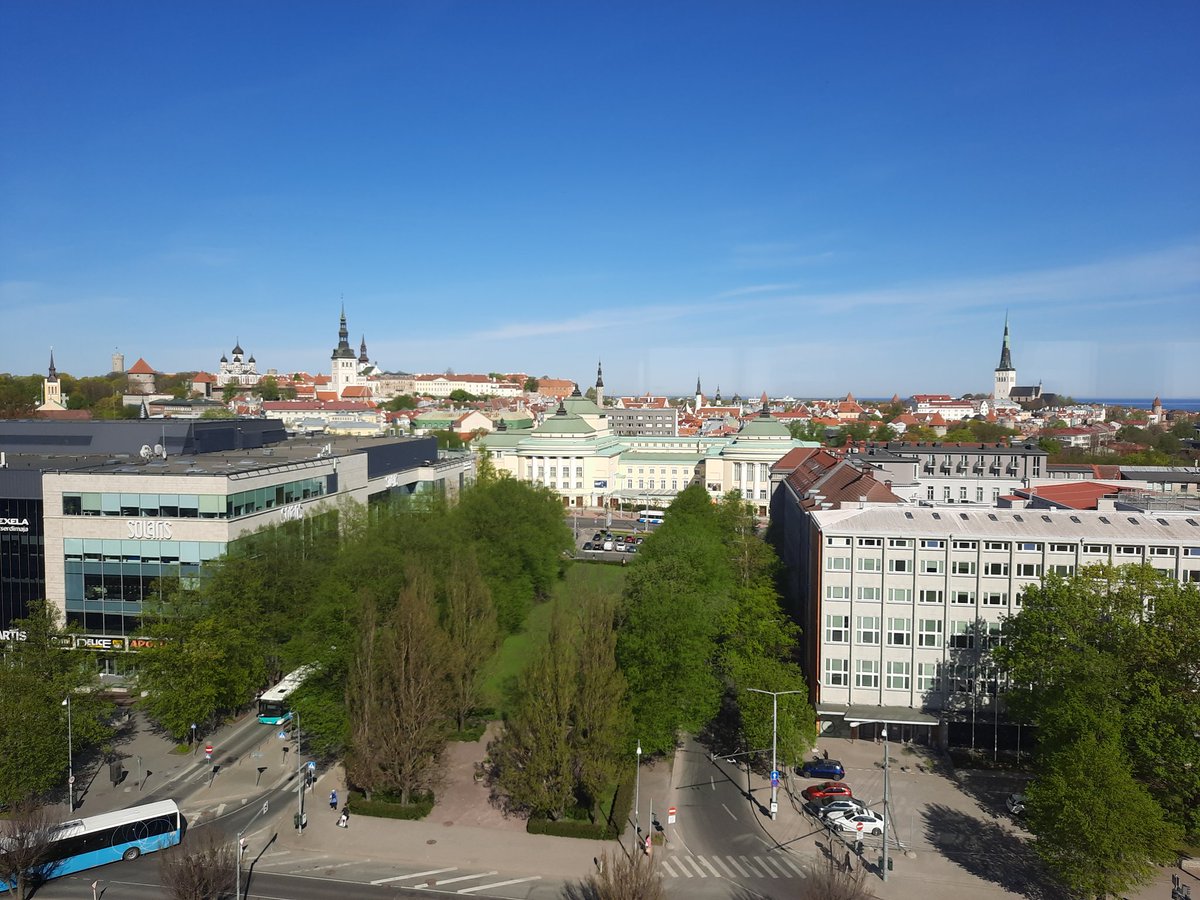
x: 131, y: 854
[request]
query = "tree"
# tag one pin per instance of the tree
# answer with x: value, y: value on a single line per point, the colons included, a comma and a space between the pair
x: 402, y: 402
x: 831, y: 879
x: 1098, y: 828
x: 883, y: 432
x: 232, y: 389
x: 531, y: 385
x: 26, y: 839
x: 533, y: 755
x: 458, y: 395
x: 268, y: 387
x: 398, y: 694
x: 600, y: 721
x: 621, y: 876
x: 36, y: 677
x: 218, y: 412
x: 198, y: 869
x: 469, y: 620
x: 20, y: 395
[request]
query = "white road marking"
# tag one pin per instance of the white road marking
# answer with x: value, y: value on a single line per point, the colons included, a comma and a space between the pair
x: 786, y: 860
x: 730, y: 811
x: 729, y: 873
x: 713, y: 782
x: 220, y: 809
x: 442, y: 881
x: 750, y: 866
x: 414, y: 875
x: 499, y: 884
x: 704, y: 861
x: 666, y: 865
x: 694, y: 860
x: 738, y: 866
x: 778, y: 863
x: 770, y: 872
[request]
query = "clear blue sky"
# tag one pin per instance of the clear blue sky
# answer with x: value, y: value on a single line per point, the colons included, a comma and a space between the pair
x: 803, y: 198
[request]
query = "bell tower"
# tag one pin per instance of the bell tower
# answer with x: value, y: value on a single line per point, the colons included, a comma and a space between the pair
x: 1005, y: 375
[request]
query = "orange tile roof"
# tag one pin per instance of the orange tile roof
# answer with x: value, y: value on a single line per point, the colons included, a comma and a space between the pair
x: 141, y: 367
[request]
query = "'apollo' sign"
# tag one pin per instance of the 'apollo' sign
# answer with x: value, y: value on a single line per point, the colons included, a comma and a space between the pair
x: 148, y: 530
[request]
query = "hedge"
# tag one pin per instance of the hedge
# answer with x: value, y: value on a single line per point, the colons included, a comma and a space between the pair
x: 613, y: 825
x: 383, y: 808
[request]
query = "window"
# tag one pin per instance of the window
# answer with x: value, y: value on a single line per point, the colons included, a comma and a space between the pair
x: 1096, y: 548
x: 837, y: 629
x: 995, y: 494
x: 764, y: 472
x: 946, y: 494
x: 1062, y: 548
x: 1029, y: 547
x: 933, y: 566
x: 1064, y: 570
x: 965, y: 545
x: 899, y: 565
x: 870, y: 542
x: 837, y: 542
x: 868, y: 630
x: 898, y: 676
x: 837, y: 564
x: 929, y: 633
x: 1191, y: 551
x: 1162, y: 551
x: 737, y: 472
x: 995, y: 568
x: 995, y: 598
x: 929, y: 495
x: 930, y: 595
x: 1126, y: 550
x: 962, y: 494
x: 963, y: 598
x: 900, y: 595
x: 927, y: 680
x: 899, y: 542
x: 866, y: 673
x: 978, y: 495
x: 927, y: 544
x: 870, y: 564
x: 962, y: 635
x: 899, y: 632
x: 870, y: 593
x: 1029, y: 570
x: 962, y: 567
x: 837, y: 672
x: 995, y: 545
x: 837, y: 592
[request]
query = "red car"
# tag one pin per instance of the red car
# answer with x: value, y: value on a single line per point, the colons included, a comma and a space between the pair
x: 832, y: 789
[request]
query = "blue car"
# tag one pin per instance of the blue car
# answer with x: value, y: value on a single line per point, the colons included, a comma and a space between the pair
x: 822, y: 768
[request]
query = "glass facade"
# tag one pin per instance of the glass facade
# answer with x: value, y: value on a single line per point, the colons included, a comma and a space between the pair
x: 22, y: 558
x: 107, y: 580
x: 194, y: 506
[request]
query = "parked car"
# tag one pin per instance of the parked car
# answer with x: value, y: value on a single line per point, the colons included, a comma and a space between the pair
x: 587, y: 545
x: 823, y: 768
x: 629, y: 539
x: 1016, y: 804
x: 608, y: 545
x: 832, y: 808
x: 631, y: 549
x: 871, y: 823
x: 833, y: 789
x: 596, y: 536
x: 639, y: 540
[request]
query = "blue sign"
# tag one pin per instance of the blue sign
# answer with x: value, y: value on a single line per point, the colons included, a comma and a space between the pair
x: 282, y: 735
x: 775, y: 775
x: 312, y: 765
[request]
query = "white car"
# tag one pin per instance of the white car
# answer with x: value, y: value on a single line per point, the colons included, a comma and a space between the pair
x: 871, y: 823
x: 608, y: 545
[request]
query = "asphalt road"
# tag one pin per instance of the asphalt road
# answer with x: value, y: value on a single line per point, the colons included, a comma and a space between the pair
x: 719, y: 827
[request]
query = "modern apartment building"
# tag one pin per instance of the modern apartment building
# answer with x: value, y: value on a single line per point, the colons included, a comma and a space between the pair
x: 939, y: 472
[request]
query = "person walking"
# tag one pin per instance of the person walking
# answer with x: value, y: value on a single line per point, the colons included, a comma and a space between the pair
x: 344, y: 820
x: 333, y: 799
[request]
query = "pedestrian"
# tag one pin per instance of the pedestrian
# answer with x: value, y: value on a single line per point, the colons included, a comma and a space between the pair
x: 825, y: 754
x: 344, y: 820
x: 333, y: 799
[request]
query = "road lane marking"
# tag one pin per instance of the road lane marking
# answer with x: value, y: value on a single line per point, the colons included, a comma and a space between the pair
x: 770, y: 872
x: 711, y: 868
x: 499, y: 884
x: 713, y: 782
x: 442, y: 881
x: 774, y: 860
x: 694, y: 860
x: 795, y: 868
x: 750, y: 866
x: 682, y: 866
x: 729, y: 873
x: 730, y: 811
x: 414, y: 875
x: 738, y: 866
x: 666, y: 864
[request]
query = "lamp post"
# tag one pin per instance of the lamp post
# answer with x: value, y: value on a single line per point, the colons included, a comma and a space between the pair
x: 241, y: 846
x: 637, y: 792
x: 70, y: 757
x: 299, y: 780
x: 884, y: 865
x: 774, y: 732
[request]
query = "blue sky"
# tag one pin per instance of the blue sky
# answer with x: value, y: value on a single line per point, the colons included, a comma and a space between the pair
x: 802, y: 198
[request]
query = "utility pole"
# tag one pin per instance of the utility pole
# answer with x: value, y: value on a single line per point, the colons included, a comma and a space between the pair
x: 70, y: 758
x: 637, y: 792
x: 884, y: 864
x: 241, y: 846
x: 299, y: 780
x: 774, y: 734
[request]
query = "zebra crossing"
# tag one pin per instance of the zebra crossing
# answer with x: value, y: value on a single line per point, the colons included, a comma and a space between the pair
x: 729, y: 866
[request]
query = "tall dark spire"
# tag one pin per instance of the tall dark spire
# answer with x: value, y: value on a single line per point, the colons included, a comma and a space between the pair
x: 362, y: 351
x: 1005, y: 355
x: 343, y: 349
x: 697, y: 384
x: 599, y: 375
x: 52, y: 374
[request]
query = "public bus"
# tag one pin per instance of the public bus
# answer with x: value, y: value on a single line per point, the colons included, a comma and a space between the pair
x: 80, y: 844
x: 272, y: 705
x: 650, y: 516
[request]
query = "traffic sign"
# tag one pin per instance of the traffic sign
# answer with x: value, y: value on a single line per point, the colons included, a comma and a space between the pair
x: 858, y: 826
x: 670, y: 815
x: 282, y: 735
x: 71, y: 780
x: 774, y: 774
x: 312, y: 765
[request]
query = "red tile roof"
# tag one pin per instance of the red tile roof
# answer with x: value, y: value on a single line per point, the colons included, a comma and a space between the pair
x: 1070, y: 495
x: 141, y: 367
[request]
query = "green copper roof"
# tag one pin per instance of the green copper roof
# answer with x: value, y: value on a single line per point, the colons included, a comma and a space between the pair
x: 582, y: 406
x: 568, y: 424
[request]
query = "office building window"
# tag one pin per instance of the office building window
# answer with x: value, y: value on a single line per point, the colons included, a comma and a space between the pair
x: 931, y: 595
x: 868, y: 630
x: 899, y: 632
x: 871, y: 594
x: 927, y: 680
x: 898, y: 675
x: 962, y: 635
x: 837, y: 592
x: 962, y: 567
x: 837, y: 672
x: 929, y: 633
x: 995, y: 568
x: 837, y: 629
x: 900, y: 595
x: 900, y: 565
x: 866, y: 673
x: 869, y: 564
x: 933, y: 566
x: 837, y: 564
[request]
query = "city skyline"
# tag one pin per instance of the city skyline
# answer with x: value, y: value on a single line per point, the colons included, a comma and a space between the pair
x: 795, y: 199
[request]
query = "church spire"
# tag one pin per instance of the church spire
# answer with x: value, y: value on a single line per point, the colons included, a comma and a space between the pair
x: 343, y: 349
x: 599, y: 374
x: 1005, y: 354
x: 52, y: 374
x: 362, y: 351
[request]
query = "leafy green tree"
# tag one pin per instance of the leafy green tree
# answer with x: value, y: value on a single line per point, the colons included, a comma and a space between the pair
x: 268, y: 387
x: 232, y: 389
x: 531, y: 385
x: 36, y: 677
x: 218, y: 413
x: 402, y: 402
x: 883, y: 432
x: 806, y: 431
x: 469, y: 620
x: 600, y: 720
x: 448, y: 440
x: 458, y: 395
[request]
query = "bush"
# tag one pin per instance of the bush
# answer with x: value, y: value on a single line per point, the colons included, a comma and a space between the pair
x: 386, y: 806
x: 471, y: 734
x: 572, y: 828
x: 618, y: 814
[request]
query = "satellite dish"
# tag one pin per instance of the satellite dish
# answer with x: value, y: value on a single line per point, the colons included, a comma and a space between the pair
x: 145, y: 452
x: 160, y: 450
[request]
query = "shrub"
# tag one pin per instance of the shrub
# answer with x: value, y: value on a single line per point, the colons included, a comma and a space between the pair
x: 572, y: 828
x: 387, y: 806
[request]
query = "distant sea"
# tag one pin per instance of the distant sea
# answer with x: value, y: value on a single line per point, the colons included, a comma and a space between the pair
x: 1186, y: 404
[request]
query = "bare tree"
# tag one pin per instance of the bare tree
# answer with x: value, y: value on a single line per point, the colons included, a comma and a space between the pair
x: 201, y: 869
x: 620, y: 876
x: 26, y: 847
x: 834, y: 879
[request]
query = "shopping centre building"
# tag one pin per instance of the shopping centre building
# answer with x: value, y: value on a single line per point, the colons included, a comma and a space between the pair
x: 93, y: 515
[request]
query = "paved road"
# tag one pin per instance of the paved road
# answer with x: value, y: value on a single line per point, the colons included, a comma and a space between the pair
x: 718, y: 841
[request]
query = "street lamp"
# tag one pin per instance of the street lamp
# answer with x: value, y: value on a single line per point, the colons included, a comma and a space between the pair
x: 774, y: 732
x: 241, y: 846
x: 70, y: 757
x: 637, y: 792
x: 884, y: 864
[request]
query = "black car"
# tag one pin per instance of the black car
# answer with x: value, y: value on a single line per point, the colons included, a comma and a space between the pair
x: 587, y: 546
x: 597, y: 536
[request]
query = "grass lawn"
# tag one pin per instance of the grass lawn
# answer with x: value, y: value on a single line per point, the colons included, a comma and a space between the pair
x: 517, y: 649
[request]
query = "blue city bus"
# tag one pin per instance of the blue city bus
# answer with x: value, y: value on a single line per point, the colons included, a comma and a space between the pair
x: 273, y: 707
x: 80, y: 844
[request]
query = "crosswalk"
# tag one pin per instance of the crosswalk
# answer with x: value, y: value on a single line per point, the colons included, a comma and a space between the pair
x: 729, y: 866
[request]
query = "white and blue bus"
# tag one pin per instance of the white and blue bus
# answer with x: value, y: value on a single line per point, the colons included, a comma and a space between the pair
x: 273, y: 707
x: 650, y: 516
x: 80, y: 844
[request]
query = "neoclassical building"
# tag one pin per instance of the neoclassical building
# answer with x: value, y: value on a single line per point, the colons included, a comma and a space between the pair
x: 576, y: 453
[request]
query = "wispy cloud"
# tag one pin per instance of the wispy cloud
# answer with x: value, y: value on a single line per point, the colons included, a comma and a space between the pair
x: 625, y: 318
x: 778, y: 255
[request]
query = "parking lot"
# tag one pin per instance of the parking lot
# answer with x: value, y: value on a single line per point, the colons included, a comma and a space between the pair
x: 610, y: 544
